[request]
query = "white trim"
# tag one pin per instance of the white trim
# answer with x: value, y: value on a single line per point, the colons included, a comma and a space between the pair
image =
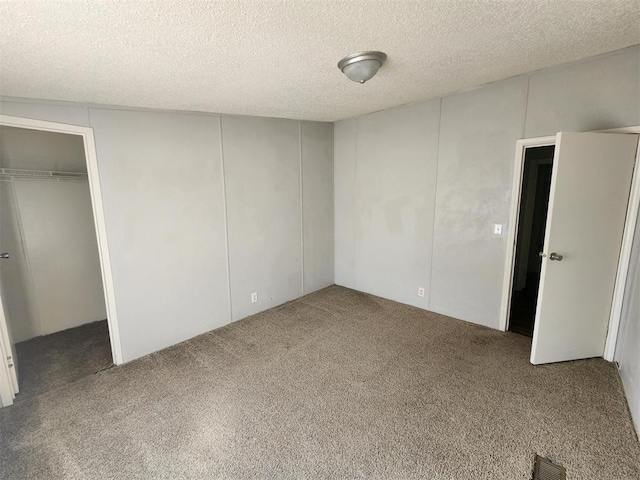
x: 625, y: 253
x: 98, y: 214
x: 6, y: 385
x: 627, y: 238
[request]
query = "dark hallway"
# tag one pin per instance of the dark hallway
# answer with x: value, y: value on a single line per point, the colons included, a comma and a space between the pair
x: 534, y: 202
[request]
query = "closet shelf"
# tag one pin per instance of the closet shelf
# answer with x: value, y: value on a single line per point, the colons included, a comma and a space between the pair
x: 9, y: 174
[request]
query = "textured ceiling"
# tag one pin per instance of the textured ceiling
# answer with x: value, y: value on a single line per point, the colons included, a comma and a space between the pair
x: 278, y: 58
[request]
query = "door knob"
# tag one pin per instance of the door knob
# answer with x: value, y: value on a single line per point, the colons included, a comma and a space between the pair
x: 4, y: 255
x: 555, y: 256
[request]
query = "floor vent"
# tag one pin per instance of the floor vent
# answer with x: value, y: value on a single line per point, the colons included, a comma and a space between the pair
x: 547, y: 470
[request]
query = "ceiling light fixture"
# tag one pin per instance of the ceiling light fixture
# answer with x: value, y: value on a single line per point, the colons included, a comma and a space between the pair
x: 361, y: 67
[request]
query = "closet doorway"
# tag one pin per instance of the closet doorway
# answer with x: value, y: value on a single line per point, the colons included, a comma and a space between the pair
x: 55, y: 320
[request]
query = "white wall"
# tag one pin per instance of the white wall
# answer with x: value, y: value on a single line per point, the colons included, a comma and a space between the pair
x: 166, y: 214
x: 14, y: 273
x: 60, y: 244
x: 386, y: 159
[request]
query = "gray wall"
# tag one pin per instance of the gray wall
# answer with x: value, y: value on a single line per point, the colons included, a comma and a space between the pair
x: 163, y: 178
x: 475, y: 158
x: 391, y: 200
x: 344, y: 185
x: 384, y: 186
x: 316, y: 147
x: 262, y: 171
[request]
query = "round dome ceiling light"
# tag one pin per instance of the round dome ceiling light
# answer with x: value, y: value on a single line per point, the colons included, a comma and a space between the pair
x: 361, y: 67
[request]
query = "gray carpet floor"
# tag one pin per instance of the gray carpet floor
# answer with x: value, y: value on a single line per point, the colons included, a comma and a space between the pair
x: 52, y: 361
x: 338, y: 384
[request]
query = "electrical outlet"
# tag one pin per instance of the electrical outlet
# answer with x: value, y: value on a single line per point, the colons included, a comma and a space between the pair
x: 421, y: 292
x: 497, y: 229
x: 254, y: 297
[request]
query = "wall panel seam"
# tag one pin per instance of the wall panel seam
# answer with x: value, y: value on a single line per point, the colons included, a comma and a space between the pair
x: 435, y: 202
x: 335, y: 239
x: 301, y: 206
x: 354, y: 205
x: 226, y: 222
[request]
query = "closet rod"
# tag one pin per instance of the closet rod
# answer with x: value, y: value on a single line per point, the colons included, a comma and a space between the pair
x: 18, y: 173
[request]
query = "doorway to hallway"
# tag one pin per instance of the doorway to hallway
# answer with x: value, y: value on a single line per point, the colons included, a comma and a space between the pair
x: 534, y: 204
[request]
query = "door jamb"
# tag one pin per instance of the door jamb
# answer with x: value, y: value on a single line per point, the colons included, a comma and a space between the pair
x: 7, y: 388
x: 98, y: 214
x: 633, y: 208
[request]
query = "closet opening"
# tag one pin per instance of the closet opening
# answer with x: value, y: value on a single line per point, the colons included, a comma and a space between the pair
x: 51, y: 281
x: 534, y: 203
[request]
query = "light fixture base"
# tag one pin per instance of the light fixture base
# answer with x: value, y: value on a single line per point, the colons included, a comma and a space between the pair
x: 362, y: 66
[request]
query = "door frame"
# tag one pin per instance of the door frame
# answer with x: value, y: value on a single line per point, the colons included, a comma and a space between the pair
x: 7, y: 386
x: 627, y: 237
x: 98, y: 214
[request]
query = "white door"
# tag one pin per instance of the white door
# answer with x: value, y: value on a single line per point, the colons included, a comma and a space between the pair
x: 7, y: 349
x: 590, y: 188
